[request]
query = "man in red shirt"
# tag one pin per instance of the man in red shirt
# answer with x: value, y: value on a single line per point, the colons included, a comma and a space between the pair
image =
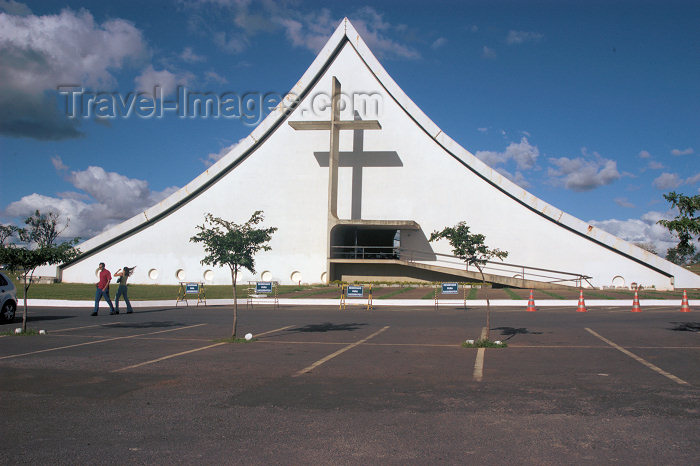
x: 103, y: 290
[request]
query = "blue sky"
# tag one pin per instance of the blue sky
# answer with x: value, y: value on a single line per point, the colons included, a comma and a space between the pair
x: 592, y: 106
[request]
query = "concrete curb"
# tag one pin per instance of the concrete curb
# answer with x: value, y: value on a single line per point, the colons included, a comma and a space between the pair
x: 377, y: 303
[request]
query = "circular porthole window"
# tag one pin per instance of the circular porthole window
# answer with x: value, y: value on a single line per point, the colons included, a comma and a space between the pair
x: 266, y: 276
x: 208, y: 275
x: 153, y: 274
x: 296, y: 277
x: 324, y: 277
x: 180, y: 275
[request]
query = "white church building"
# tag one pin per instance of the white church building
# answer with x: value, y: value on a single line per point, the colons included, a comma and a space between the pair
x: 356, y: 177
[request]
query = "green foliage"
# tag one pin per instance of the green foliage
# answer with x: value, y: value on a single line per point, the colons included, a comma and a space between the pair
x: 235, y: 340
x: 25, y: 333
x: 227, y: 243
x: 22, y: 250
x: 685, y: 226
x: 470, y: 247
x: 233, y: 245
x: 485, y: 343
x: 35, y: 246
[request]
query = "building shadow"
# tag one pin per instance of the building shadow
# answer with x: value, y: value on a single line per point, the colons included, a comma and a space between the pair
x: 358, y: 159
x: 685, y: 326
x: 510, y: 332
x: 327, y: 327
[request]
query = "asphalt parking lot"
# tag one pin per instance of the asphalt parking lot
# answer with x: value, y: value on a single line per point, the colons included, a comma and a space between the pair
x: 318, y: 385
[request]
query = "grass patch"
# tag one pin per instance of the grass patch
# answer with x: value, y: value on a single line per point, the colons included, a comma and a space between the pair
x: 512, y: 293
x: 395, y: 292
x: 484, y: 344
x: 553, y: 295
x: 429, y: 295
x: 472, y: 293
x: 235, y: 340
x: 11, y: 333
x: 593, y: 294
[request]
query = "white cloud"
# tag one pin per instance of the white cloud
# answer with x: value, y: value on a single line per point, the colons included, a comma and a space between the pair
x: 519, y: 37
x: 518, y: 178
x: 188, y: 56
x: 488, y: 52
x: 654, y: 165
x: 439, y: 42
x: 212, y: 76
x: 312, y: 30
x: 168, y: 82
x: 229, y: 42
x: 40, y: 53
x: 107, y: 199
x: 58, y: 163
x: 642, y: 230
x: 215, y: 156
x: 644, y: 154
x: 523, y: 153
x: 623, y: 202
x: 583, y: 173
x: 14, y: 8
x: 686, y: 151
x: 667, y: 181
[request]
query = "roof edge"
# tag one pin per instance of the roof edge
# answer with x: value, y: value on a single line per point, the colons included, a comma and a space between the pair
x: 346, y: 31
x: 496, y: 179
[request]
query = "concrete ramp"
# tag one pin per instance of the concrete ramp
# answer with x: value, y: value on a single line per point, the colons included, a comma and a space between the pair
x: 430, y: 272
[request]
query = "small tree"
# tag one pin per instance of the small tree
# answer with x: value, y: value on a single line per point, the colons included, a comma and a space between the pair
x: 473, y: 251
x: 34, y: 246
x: 685, y: 226
x: 226, y: 243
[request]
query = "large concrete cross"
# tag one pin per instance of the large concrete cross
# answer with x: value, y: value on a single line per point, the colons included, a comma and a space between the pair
x: 335, y: 125
x: 357, y: 159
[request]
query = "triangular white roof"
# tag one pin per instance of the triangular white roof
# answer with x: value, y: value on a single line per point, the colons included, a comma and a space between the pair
x: 346, y: 33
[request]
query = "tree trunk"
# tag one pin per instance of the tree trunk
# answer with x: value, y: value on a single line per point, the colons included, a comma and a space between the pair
x: 488, y: 304
x: 235, y: 303
x: 24, y: 311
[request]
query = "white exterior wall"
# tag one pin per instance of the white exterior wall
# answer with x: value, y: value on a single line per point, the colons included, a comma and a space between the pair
x: 283, y: 178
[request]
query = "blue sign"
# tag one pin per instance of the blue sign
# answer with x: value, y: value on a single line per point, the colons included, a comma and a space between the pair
x: 355, y: 291
x: 263, y: 287
x: 192, y: 288
x: 450, y: 288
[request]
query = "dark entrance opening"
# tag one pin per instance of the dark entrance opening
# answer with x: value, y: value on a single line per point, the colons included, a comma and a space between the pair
x: 358, y: 242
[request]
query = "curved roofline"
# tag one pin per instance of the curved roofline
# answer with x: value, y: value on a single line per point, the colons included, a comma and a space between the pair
x: 345, y: 32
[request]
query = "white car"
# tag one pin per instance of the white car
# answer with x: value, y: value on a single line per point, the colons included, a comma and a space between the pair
x: 8, y: 299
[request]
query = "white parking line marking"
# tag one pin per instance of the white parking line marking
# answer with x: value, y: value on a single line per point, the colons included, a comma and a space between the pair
x: 134, y: 366
x: 638, y: 359
x: 85, y: 326
x: 153, y: 361
x: 255, y: 335
x: 479, y: 362
x: 337, y: 353
x: 98, y: 341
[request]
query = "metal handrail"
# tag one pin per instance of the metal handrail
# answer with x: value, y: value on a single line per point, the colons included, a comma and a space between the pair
x: 410, y: 255
x: 578, y: 278
x: 362, y: 252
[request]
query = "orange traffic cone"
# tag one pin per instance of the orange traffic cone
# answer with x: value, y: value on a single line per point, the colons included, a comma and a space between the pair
x: 581, y: 303
x: 531, y: 303
x: 635, y: 303
x: 684, y: 304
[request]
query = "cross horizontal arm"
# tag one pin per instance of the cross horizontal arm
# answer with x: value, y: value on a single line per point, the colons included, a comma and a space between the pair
x: 348, y: 124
